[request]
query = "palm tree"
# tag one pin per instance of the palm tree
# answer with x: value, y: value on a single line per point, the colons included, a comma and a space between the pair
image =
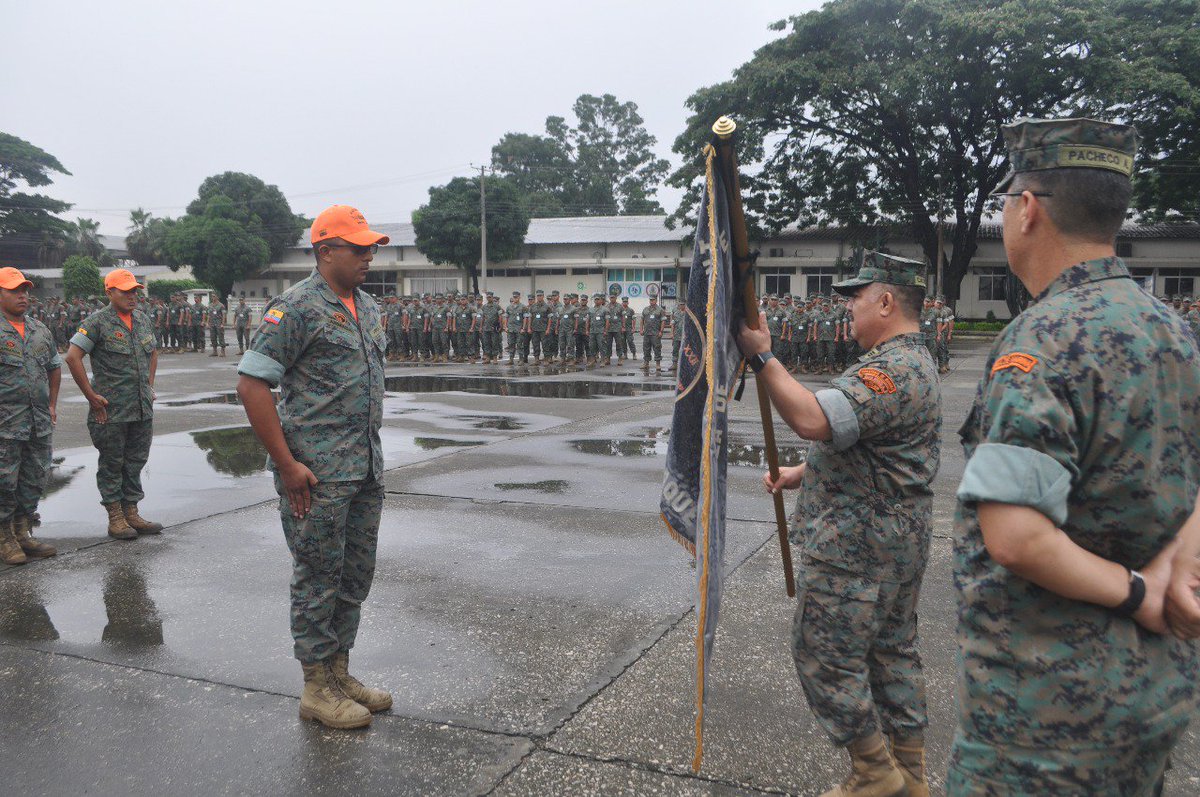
x: 138, y: 241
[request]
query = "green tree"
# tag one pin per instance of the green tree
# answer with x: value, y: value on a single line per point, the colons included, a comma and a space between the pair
x: 165, y: 289
x: 236, y: 226
x: 602, y: 166
x: 147, y: 238
x: 81, y: 277
x: 447, y: 229
x: 84, y: 239
x: 260, y: 209
x: 854, y: 115
x: 31, y: 234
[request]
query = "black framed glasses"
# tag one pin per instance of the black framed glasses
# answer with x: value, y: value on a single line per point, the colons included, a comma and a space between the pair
x: 360, y: 250
x: 1020, y: 193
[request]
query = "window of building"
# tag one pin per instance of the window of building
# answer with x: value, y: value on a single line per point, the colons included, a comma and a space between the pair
x: 777, y: 283
x: 1177, y: 286
x: 993, y: 283
x: 1144, y: 277
x: 669, y: 275
x: 582, y: 271
x: 553, y: 272
x: 431, y: 285
x: 775, y: 253
x: 819, y: 280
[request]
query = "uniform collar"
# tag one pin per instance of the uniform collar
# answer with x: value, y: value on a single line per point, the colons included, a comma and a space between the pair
x: 903, y: 339
x: 1104, y: 268
x: 327, y: 292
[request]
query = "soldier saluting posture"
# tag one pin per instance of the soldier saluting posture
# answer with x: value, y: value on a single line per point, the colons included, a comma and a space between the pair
x: 322, y: 343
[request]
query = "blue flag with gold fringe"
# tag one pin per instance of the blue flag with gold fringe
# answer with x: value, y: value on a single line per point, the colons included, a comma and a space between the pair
x: 693, y: 498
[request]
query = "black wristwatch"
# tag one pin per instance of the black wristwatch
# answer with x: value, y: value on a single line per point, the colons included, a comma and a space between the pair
x: 1137, y: 594
x: 760, y: 360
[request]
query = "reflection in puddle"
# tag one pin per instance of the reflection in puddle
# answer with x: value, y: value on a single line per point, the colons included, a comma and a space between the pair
x: 747, y: 454
x: 220, y: 398
x: 430, y: 443
x: 235, y: 451
x: 580, y: 389
x: 503, y: 423
x: 547, y: 486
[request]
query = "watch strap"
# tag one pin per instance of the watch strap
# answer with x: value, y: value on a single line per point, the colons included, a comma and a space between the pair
x: 1137, y: 594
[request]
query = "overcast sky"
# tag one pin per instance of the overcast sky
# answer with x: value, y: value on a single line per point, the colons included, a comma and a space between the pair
x: 366, y: 103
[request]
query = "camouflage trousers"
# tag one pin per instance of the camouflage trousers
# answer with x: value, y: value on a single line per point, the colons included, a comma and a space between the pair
x: 825, y: 353
x: 197, y: 336
x: 243, y: 337
x: 581, y: 346
x: 652, y: 344
x: 550, y: 344
x: 595, y: 344
x: 124, y: 447
x: 566, y: 349
x: 216, y: 337
x: 612, y: 343
x: 779, y: 348
x: 943, y: 353
x: 24, y: 465
x: 441, y: 343
x: 675, y: 341
x: 996, y: 770
x: 537, y: 340
x: 491, y: 345
x: 333, y: 563
x: 629, y: 347
x: 854, y: 643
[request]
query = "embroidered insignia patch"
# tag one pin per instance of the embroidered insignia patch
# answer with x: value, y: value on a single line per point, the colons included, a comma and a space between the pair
x: 82, y: 331
x: 338, y: 317
x: 273, y: 315
x: 877, y: 380
x: 1018, y: 360
x: 10, y: 344
x: 118, y: 334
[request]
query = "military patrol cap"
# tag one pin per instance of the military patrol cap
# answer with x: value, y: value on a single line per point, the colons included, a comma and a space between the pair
x: 597, y: 295
x: 878, y: 267
x: 1038, y: 144
x: 516, y: 293
x: 625, y: 298
x: 540, y: 292
x: 941, y: 299
x: 438, y: 296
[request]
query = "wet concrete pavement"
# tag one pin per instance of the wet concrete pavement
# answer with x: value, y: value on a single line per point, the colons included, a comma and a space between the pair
x: 529, y: 614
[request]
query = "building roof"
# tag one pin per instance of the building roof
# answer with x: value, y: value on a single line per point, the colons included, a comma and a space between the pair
x: 987, y: 230
x: 140, y: 272
x: 573, y: 230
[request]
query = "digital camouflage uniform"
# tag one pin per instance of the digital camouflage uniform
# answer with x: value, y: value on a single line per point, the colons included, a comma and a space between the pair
x: 512, y: 325
x: 441, y: 324
x: 596, y: 319
x: 826, y: 322
x: 678, y: 329
x: 539, y: 321
x: 121, y: 359
x: 566, y: 329
x: 491, y: 331
x: 25, y: 428
x: 612, y: 337
x: 554, y: 316
x: 241, y: 326
x: 463, y: 319
x: 776, y: 326
x: 944, y: 316
x: 627, y: 324
x: 329, y: 369
x: 1088, y: 412
x: 864, y: 523
x: 1060, y: 696
x: 652, y: 324
x: 928, y: 323
x: 198, y: 318
x: 216, y: 326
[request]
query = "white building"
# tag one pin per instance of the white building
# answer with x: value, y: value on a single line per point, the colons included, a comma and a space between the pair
x: 629, y: 254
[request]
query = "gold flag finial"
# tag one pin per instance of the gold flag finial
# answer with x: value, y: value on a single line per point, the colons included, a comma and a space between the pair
x: 724, y: 127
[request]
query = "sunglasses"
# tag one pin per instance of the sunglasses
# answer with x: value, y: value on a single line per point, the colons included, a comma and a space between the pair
x: 358, y: 250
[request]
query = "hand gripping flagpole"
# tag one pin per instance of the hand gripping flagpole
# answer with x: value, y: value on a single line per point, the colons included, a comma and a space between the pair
x: 723, y: 142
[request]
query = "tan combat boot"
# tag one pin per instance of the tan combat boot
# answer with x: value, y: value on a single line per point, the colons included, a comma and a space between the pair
x: 34, y: 549
x: 117, y: 525
x: 910, y: 758
x: 873, y: 772
x: 139, y: 523
x: 373, y: 699
x: 10, y: 548
x: 324, y: 701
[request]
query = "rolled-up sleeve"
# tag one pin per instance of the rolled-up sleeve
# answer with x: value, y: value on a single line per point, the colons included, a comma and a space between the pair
x: 843, y: 423
x: 260, y: 366
x: 1009, y: 474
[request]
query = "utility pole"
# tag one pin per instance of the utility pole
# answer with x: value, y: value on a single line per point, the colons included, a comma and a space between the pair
x: 482, y: 233
x: 941, y: 245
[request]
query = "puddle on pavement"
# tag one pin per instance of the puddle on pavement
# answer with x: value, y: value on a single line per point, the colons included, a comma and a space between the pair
x: 746, y: 454
x: 235, y: 451
x: 502, y: 423
x: 431, y: 443
x: 547, y: 486
x: 576, y: 389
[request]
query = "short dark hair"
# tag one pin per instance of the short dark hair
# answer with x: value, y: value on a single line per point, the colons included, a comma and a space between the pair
x: 1088, y: 204
x: 910, y: 298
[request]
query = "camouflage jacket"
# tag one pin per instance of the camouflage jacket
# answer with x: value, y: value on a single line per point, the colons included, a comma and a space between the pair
x: 1089, y: 412
x: 216, y: 315
x: 121, y: 359
x: 652, y: 321
x: 491, y: 317
x: 866, y: 501
x: 329, y: 369
x: 25, y: 365
x: 241, y: 317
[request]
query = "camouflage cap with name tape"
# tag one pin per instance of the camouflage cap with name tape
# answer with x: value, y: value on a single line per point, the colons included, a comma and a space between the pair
x: 1038, y: 144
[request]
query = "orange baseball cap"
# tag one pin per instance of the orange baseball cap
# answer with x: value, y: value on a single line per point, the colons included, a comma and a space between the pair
x: 122, y: 279
x: 11, y: 279
x: 347, y: 223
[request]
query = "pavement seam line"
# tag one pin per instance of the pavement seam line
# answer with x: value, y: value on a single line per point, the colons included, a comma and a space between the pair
x: 644, y: 766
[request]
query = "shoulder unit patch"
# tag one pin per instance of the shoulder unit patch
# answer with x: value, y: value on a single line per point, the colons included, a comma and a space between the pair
x: 877, y: 380
x: 1019, y: 360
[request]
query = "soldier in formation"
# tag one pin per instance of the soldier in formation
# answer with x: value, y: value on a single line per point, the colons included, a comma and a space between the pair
x: 215, y: 315
x: 120, y: 342
x: 653, y: 318
x: 28, y: 410
x: 241, y: 325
